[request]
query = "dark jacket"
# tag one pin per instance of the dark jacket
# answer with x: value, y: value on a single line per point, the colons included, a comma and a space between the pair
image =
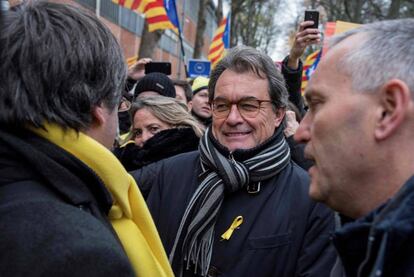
x: 284, y: 233
x: 293, y: 79
x: 297, y: 152
x: 53, y: 213
x: 381, y: 244
x: 162, y: 145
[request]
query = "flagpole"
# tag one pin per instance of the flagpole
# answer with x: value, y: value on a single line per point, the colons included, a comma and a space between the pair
x: 183, y: 54
x: 180, y: 37
x: 229, y: 19
x: 98, y: 8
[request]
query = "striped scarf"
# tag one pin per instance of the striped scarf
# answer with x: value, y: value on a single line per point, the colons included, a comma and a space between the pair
x: 220, y: 175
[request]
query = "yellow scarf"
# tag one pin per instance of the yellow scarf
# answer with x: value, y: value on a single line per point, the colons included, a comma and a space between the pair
x: 129, y: 214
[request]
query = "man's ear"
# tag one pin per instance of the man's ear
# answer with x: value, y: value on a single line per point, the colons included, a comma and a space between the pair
x: 190, y: 105
x: 98, y: 116
x: 279, y: 116
x: 395, y: 98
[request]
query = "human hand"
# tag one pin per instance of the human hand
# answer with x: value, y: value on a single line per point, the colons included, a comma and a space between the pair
x: 304, y: 37
x: 137, y: 70
x: 291, y: 124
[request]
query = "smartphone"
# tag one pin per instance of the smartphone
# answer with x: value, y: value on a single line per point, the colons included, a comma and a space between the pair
x: 312, y: 16
x: 163, y: 67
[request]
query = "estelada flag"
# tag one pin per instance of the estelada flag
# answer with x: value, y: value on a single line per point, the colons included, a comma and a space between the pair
x: 135, y: 5
x: 220, y: 42
x: 309, y: 67
x: 160, y: 14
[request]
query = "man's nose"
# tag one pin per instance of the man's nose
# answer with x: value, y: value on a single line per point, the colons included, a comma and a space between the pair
x: 234, y: 116
x: 303, y: 134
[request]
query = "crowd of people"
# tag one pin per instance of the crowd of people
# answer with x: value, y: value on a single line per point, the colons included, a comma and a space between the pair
x: 108, y: 171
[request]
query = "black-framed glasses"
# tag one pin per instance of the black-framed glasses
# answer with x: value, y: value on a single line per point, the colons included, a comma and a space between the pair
x: 248, y: 107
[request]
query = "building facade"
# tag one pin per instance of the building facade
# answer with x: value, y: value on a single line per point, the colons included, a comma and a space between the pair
x: 128, y: 25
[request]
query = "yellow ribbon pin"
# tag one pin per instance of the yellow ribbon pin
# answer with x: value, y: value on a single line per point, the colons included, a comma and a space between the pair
x: 235, y: 225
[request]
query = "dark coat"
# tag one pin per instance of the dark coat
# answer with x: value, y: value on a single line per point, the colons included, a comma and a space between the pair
x: 293, y: 79
x: 384, y: 239
x: 297, y: 152
x: 162, y: 145
x: 53, y: 214
x: 284, y: 233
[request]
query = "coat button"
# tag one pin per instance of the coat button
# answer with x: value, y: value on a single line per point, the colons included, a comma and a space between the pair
x: 213, y: 271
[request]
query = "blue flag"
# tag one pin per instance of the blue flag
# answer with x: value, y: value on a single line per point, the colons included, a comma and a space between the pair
x: 226, y: 34
x: 171, y: 10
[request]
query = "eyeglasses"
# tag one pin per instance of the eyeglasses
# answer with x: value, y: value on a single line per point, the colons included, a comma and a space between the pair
x: 124, y: 105
x: 248, y: 108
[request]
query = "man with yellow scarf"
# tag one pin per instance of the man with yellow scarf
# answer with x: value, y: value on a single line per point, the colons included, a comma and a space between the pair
x: 67, y: 206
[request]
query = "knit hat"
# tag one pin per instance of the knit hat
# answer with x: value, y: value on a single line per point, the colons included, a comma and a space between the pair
x: 199, y: 83
x: 157, y: 82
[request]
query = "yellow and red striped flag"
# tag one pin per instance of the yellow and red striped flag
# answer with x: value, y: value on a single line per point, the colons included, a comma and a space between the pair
x: 221, y: 41
x: 309, y: 67
x: 160, y: 14
x: 157, y: 17
x: 135, y: 5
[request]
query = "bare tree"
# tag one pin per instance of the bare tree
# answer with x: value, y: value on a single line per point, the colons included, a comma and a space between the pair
x: 365, y: 11
x: 149, y: 41
x: 252, y: 23
x: 394, y: 10
x: 219, y: 11
x: 201, y: 26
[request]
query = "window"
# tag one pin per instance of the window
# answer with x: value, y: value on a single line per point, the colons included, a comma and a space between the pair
x: 191, y: 9
x: 88, y: 3
x: 110, y: 10
x: 169, y: 42
x: 131, y: 21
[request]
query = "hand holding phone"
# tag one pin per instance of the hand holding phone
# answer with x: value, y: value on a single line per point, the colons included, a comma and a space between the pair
x: 312, y: 16
x: 162, y: 67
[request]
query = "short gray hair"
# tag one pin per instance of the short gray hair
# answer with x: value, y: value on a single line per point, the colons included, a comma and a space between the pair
x: 242, y: 59
x: 386, y: 52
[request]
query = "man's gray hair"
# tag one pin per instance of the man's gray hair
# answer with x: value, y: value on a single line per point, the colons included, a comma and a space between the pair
x: 243, y: 59
x: 386, y: 52
x: 57, y: 63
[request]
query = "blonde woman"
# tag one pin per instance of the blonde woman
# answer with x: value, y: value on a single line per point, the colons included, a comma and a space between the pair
x: 161, y: 127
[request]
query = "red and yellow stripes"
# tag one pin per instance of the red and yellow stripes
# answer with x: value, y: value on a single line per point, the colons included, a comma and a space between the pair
x: 216, y: 50
x: 135, y: 5
x: 157, y: 17
x: 154, y: 11
x: 309, y: 67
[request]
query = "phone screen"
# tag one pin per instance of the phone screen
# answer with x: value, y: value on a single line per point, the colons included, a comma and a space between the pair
x: 162, y: 67
x: 312, y: 16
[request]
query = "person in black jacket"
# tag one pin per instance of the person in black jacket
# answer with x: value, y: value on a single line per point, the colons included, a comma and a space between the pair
x: 67, y: 206
x: 239, y: 206
x: 292, y: 68
x: 359, y: 131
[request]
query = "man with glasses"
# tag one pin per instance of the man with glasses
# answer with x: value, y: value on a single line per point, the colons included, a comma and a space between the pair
x: 239, y: 206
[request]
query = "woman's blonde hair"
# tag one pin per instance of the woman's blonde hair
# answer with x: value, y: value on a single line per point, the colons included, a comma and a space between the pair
x: 168, y: 110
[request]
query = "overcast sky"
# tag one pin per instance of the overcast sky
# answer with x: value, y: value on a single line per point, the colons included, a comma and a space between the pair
x: 287, y: 13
